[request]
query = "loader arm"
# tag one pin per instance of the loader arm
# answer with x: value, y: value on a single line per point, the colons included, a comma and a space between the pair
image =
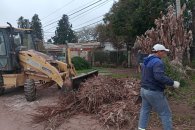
x: 76, y: 80
x: 69, y: 63
x: 31, y: 60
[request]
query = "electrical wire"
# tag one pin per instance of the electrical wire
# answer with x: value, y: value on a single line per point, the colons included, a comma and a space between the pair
x: 101, y: 4
x: 88, y: 25
x: 69, y: 12
x: 81, y: 27
x: 89, y: 21
x: 58, y: 9
x: 78, y: 25
x: 75, y: 12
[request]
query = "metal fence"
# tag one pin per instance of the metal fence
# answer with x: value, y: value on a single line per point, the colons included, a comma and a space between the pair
x: 108, y: 58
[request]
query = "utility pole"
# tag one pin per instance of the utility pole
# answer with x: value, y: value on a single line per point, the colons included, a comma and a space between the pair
x: 128, y: 55
x: 193, y: 24
x: 178, y: 8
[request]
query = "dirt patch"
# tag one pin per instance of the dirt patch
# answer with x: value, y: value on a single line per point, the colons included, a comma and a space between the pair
x: 15, y: 112
x: 81, y: 122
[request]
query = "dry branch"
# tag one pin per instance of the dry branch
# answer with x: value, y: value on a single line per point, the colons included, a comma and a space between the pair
x: 169, y: 31
x: 112, y: 100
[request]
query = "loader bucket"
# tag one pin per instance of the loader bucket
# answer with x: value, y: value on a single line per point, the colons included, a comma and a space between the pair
x: 81, y: 78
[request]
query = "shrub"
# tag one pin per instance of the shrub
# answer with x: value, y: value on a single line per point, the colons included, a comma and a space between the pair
x: 175, y: 72
x: 193, y: 63
x: 80, y: 63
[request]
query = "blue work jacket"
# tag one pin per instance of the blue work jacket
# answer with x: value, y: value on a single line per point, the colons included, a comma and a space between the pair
x: 153, y: 74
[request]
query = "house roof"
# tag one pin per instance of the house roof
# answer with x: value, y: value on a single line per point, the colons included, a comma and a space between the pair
x: 72, y: 46
x: 84, y: 45
x: 48, y: 46
x: 53, y: 48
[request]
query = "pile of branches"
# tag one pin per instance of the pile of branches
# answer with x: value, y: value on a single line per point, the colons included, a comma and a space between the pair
x: 112, y: 100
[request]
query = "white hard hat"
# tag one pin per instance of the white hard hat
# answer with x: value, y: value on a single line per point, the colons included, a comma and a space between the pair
x: 159, y: 47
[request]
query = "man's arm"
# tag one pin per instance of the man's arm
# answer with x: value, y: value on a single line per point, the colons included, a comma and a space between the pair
x: 159, y: 74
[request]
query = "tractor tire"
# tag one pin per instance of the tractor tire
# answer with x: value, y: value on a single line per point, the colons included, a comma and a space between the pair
x: 2, y: 89
x: 30, y: 90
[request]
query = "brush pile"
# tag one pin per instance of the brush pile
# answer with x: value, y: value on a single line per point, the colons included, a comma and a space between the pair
x: 111, y: 100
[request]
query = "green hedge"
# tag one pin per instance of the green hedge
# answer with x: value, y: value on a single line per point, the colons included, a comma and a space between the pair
x: 80, y: 63
x: 174, y: 73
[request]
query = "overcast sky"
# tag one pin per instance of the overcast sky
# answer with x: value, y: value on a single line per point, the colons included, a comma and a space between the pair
x: 50, y: 11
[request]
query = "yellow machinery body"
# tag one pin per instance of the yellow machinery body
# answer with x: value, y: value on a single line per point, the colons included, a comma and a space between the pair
x: 22, y: 65
x: 39, y: 67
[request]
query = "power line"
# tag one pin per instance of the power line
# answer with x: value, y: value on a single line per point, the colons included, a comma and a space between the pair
x: 51, y: 28
x: 75, y: 12
x: 78, y: 25
x: 68, y: 12
x: 50, y: 35
x: 85, y: 7
x: 58, y: 9
x: 87, y: 25
x: 101, y: 4
x: 48, y: 32
x: 89, y: 20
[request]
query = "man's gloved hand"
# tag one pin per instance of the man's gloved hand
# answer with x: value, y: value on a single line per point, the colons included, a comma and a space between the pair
x: 176, y: 84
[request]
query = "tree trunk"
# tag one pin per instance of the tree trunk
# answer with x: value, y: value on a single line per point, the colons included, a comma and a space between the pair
x: 193, y: 25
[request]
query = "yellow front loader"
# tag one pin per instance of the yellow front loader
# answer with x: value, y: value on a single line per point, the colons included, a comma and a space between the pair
x: 22, y: 65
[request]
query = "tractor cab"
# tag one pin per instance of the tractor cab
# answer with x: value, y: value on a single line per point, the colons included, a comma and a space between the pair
x: 21, y: 64
x: 13, y: 40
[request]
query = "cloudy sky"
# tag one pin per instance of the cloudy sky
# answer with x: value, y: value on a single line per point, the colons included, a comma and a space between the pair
x: 81, y: 12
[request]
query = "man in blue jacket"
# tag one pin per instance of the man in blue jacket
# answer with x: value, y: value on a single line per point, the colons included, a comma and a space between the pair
x: 152, y: 89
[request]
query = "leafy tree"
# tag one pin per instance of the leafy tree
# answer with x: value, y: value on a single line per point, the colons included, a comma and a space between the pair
x: 129, y: 18
x: 37, y: 27
x: 101, y: 33
x: 49, y: 41
x: 64, y: 33
x: 23, y: 23
x: 86, y: 34
x: 191, y: 8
